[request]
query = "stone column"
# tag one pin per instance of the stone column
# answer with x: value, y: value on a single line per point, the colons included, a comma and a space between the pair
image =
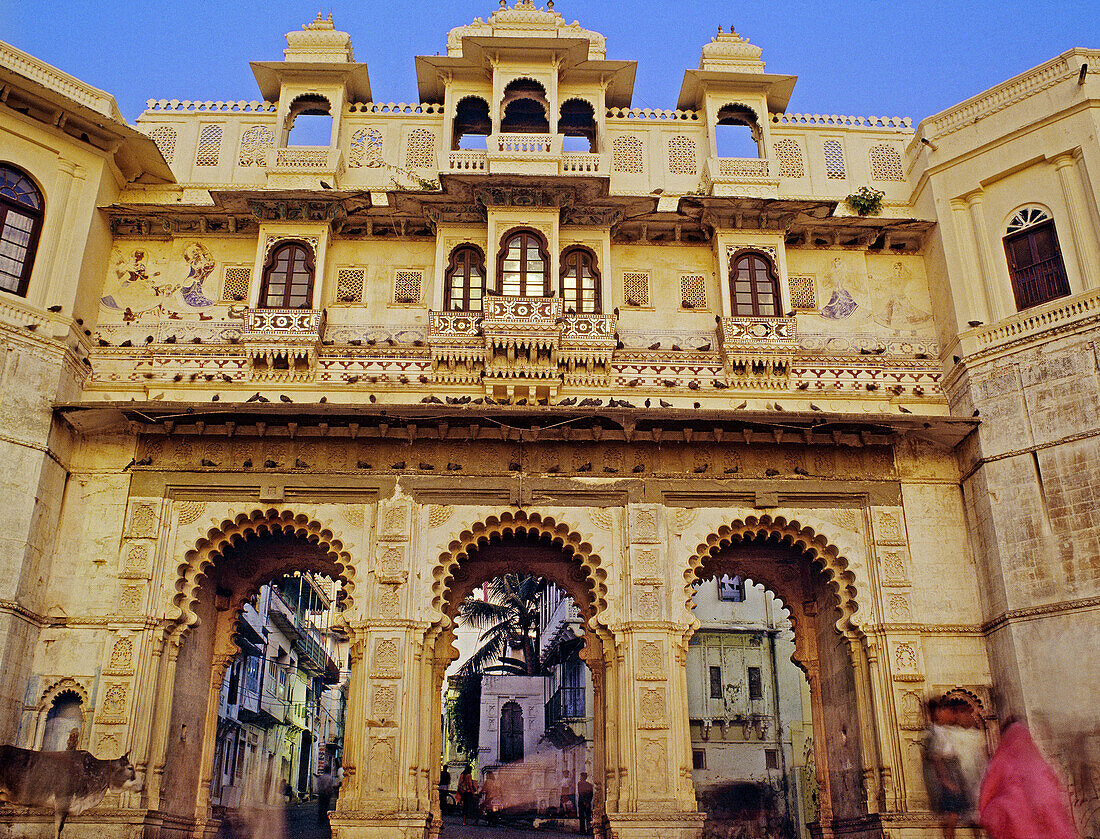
x: 821, y: 752
x: 62, y: 216
x: 1080, y: 221
x: 162, y: 716
x: 1001, y: 301
x: 868, y: 736
x: 656, y: 796
x: 978, y: 302
x: 885, y: 721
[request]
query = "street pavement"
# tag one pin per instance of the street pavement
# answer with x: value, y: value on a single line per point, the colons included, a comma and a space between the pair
x: 301, y: 823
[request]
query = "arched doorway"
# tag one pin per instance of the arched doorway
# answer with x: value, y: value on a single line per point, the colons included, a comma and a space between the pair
x: 811, y: 579
x: 540, y: 548
x: 216, y: 579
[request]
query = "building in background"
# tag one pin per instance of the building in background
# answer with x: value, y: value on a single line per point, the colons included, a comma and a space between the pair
x: 524, y: 326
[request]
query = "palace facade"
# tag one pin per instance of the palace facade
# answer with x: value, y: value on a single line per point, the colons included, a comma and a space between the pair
x: 524, y: 326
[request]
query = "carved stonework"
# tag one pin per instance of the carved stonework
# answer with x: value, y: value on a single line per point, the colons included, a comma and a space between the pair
x: 910, y: 715
x: 439, y: 514
x: 143, y: 522
x: 137, y: 558
x: 130, y: 599
x: 601, y: 517
x: 395, y: 522
x: 643, y: 525
x: 122, y: 655
x: 888, y: 528
x: 389, y: 602
x: 649, y: 605
x: 391, y: 564
x: 686, y: 518
x: 846, y: 519
x: 190, y: 511
x: 905, y: 657
x: 107, y: 748
x: 899, y: 608
x: 651, y: 659
x: 654, y: 776
x: 645, y: 562
x: 893, y: 568
x: 652, y: 707
x: 380, y: 767
x: 114, y: 700
x: 353, y: 515
x: 385, y: 702
x: 387, y: 660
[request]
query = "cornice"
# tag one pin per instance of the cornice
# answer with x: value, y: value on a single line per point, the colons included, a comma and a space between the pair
x: 1061, y: 608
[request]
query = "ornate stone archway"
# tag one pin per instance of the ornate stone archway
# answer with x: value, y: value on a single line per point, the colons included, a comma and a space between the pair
x: 528, y: 543
x: 812, y: 578
x: 213, y: 580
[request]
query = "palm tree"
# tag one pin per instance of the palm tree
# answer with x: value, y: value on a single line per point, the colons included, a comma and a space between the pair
x: 509, y: 622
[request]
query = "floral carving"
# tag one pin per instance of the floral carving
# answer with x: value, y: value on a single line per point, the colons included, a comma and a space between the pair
x: 114, y: 700
x: 601, y: 517
x: 136, y: 558
x: 906, y: 657
x: 438, y: 514
x: 387, y: 660
x: 122, y: 654
x: 652, y: 708
x: 385, y: 702
x: 130, y: 597
x: 652, y: 659
x: 143, y: 522
x: 899, y: 608
x: 190, y: 511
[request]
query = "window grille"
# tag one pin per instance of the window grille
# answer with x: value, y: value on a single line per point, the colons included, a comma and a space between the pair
x: 236, y: 283
x: 165, y: 138
x: 803, y: 293
x: 406, y: 286
x: 756, y: 684
x: 834, y: 160
x: 626, y: 155
x: 681, y: 156
x: 254, y: 145
x: 715, y: 682
x: 420, y: 150
x: 788, y: 155
x: 698, y: 758
x: 771, y: 758
x: 693, y: 291
x: 636, y: 288
x: 886, y: 163
x: 210, y: 145
x: 1026, y: 217
x: 349, y: 285
x: 366, y: 149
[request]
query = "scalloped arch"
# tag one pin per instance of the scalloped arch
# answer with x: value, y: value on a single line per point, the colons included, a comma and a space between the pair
x: 65, y: 685
x: 839, y: 580
x: 519, y: 524
x: 238, y: 533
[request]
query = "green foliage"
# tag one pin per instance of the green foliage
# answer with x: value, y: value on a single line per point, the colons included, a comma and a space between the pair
x: 866, y: 201
x: 464, y: 714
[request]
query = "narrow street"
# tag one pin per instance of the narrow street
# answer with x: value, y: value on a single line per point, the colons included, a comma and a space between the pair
x: 301, y: 823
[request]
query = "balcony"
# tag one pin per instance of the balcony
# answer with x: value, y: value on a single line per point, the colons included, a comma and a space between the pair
x: 566, y: 705
x: 739, y: 177
x: 303, y: 167
x: 524, y: 154
x: 521, y: 342
x: 281, y: 344
x: 758, y: 351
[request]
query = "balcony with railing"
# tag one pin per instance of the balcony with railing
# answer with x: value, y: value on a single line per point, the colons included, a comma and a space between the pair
x: 741, y: 177
x: 566, y: 705
x: 281, y: 344
x: 524, y: 154
x: 758, y: 351
x: 303, y: 167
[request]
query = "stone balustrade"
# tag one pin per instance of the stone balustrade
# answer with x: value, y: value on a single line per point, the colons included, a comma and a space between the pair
x: 281, y: 344
x: 758, y: 351
x: 746, y: 177
x: 1057, y: 316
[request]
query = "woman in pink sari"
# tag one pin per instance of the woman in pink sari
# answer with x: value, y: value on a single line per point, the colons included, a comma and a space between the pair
x: 1021, y: 796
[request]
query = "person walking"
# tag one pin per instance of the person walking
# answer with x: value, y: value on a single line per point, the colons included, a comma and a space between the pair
x: 942, y: 773
x: 1021, y: 796
x: 467, y: 794
x: 585, y: 791
x: 326, y: 787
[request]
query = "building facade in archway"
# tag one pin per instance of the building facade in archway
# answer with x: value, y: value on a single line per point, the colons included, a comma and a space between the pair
x: 525, y: 326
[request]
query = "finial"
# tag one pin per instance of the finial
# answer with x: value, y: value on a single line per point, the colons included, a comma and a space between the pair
x: 504, y: 4
x: 719, y: 29
x: 549, y: 5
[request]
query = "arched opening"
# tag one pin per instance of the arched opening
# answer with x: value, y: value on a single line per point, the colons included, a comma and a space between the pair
x: 471, y: 123
x: 64, y: 723
x: 21, y: 213
x: 577, y: 122
x: 1035, y: 264
x: 737, y: 132
x: 464, y: 279
x: 288, y: 277
x: 754, y: 285
x: 748, y: 710
x: 785, y: 563
x: 524, y: 108
x: 258, y: 651
x: 523, y: 264
x: 537, y: 702
x: 309, y: 121
x: 580, y: 280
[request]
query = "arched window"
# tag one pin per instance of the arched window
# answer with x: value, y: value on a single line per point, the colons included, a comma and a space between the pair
x: 577, y: 121
x: 523, y: 265
x: 472, y: 121
x: 288, y: 277
x: 754, y: 285
x: 464, y: 280
x: 511, y: 732
x: 737, y: 132
x: 20, y: 225
x: 524, y: 108
x: 1034, y: 258
x: 580, y: 281
x: 309, y: 121
x: 64, y: 723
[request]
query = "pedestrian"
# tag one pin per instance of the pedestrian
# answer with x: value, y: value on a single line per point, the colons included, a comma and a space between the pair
x: 444, y: 786
x: 585, y: 792
x: 467, y: 794
x: 1021, y: 796
x: 942, y: 772
x: 490, y: 797
x: 326, y: 786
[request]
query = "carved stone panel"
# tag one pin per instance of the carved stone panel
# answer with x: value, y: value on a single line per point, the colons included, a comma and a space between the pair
x: 651, y: 660
x: 643, y: 524
x: 387, y: 660
x: 651, y: 708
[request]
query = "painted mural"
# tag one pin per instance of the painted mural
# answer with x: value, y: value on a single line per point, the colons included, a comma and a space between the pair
x: 145, y: 286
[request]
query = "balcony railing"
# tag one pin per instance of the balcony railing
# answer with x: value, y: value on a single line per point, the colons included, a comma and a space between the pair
x: 566, y: 705
x: 525, y: 143
x: 467, y: 161
x: 582, y: 163
x: 748, y: 177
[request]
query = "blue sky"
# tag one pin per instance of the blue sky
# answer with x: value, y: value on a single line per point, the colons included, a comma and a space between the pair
x: 861, y: 57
